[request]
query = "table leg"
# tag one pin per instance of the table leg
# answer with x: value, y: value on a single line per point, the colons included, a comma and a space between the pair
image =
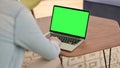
x: 105, y: 60
x: 110, y: 57
x: 61, y: 60
x: 32, y: 13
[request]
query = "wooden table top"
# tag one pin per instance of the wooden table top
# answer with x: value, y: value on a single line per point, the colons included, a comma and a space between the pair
x: 102, y: 34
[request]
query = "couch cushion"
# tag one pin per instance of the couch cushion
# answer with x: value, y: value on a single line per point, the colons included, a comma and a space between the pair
x: 30, y: 3
x: 110, y: 2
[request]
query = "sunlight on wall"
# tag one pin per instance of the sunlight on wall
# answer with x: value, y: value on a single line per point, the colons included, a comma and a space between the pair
x: 45, y: 7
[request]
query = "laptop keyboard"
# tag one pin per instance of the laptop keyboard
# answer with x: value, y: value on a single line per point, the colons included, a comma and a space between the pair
x: 66, y: 39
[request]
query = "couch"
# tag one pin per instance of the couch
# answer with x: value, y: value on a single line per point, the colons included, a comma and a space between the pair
x: 104, y: 8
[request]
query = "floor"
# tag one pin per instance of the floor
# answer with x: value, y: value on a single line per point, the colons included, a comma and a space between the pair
x: 92, y: 60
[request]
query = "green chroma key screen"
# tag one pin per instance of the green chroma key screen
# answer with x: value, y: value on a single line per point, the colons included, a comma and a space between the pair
x: 69, y: 21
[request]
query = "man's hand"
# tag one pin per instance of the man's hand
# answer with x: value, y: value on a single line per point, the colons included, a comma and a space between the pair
x: 55, y: 39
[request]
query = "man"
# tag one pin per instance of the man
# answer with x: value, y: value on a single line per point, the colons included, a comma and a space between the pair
x: 19, y: 32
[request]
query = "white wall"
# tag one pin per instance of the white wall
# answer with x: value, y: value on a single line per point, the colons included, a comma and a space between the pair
x: 45, y: 6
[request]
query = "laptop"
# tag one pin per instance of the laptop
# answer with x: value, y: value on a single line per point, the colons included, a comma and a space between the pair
x: 69, y: 25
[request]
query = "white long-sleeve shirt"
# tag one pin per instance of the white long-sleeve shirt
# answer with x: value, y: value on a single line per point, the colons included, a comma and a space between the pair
x: 19, y: 31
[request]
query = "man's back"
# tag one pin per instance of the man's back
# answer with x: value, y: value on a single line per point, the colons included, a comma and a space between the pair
x: 18, y: 32
x: 9, y: 53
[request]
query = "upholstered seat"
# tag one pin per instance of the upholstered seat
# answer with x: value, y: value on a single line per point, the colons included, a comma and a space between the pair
x: 110, y: 2
x: 104, y: 8
x: 30, y: 3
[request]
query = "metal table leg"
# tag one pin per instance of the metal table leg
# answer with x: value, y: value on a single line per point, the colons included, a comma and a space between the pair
x: 105, y: 60
x: 61, y: 60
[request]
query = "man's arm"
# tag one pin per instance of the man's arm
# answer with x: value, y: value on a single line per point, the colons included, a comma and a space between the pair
x: 29, y: 36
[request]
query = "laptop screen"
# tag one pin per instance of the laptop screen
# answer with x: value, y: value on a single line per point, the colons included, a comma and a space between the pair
x: 69, y: 21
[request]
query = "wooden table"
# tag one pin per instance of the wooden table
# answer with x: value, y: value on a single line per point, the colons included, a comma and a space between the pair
x: 102, y: 34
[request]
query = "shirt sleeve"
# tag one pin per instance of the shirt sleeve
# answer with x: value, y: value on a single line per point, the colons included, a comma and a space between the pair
x: 29, y: 36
